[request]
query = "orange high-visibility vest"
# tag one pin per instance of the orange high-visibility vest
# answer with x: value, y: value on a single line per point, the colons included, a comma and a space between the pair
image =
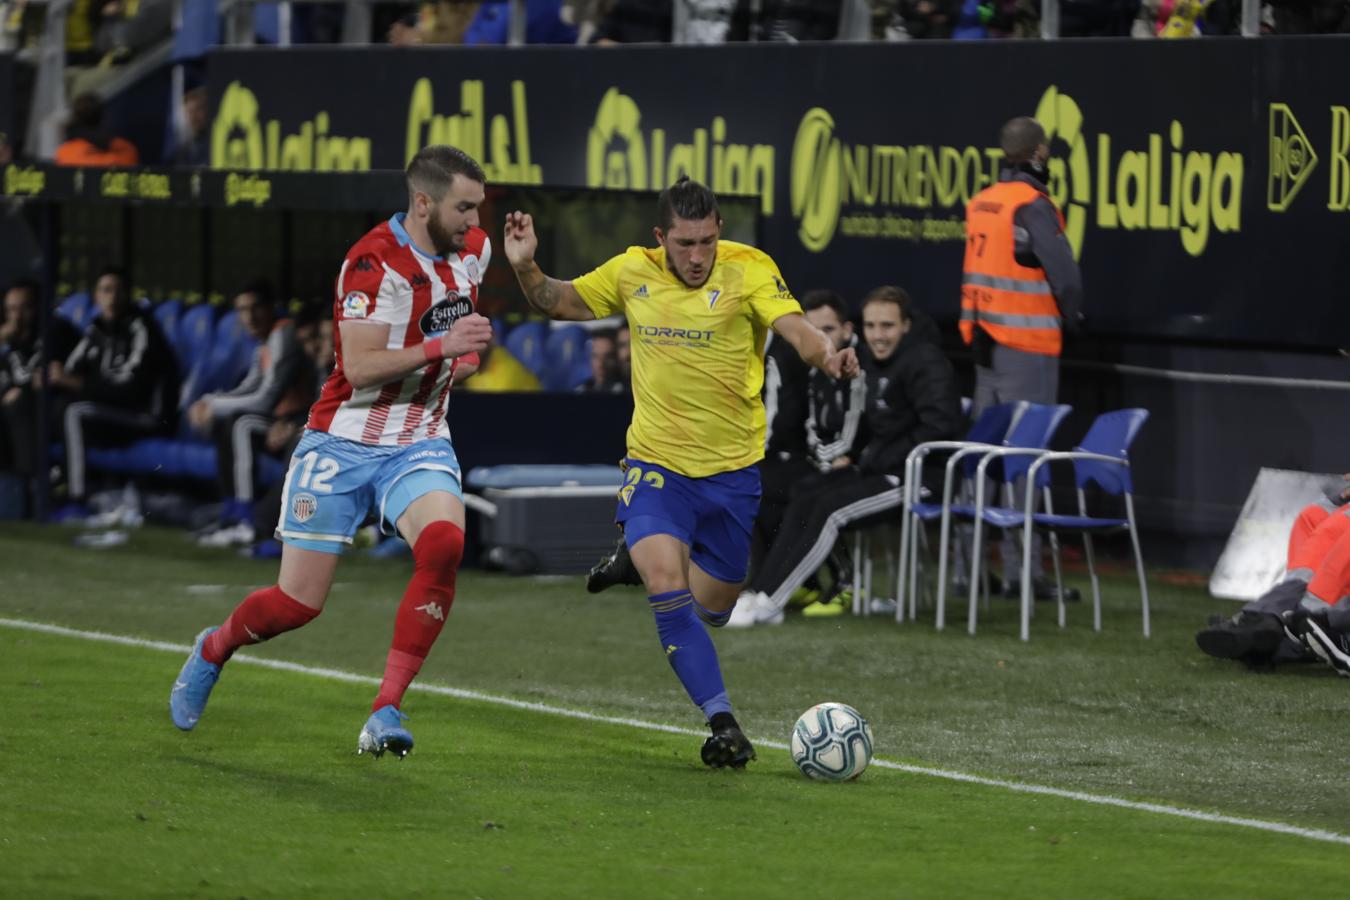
x: 1011, y: 302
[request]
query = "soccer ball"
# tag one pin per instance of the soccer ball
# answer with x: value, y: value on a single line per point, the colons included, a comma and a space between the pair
x: 832, y: 742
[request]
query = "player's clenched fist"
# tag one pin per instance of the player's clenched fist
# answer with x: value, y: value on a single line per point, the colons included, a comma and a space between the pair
x: 469, y: 334
x: 844, y: 364
x: 521, y: 241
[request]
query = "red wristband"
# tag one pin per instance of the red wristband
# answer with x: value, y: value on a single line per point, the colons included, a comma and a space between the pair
x: 432, y: 350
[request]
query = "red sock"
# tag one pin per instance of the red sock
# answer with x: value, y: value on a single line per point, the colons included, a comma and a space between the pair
x: 264, y: 614
x: 422, y: 614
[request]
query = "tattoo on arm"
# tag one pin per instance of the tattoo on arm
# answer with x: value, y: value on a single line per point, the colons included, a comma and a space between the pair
x: 544, y: 296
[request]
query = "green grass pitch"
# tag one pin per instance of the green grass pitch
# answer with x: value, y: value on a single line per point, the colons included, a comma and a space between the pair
x: 101, y: 796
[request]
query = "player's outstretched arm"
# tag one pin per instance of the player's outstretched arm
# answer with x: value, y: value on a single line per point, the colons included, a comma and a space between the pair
x: 555, y: 299
x: 367, y: 360
x: 815, y: 348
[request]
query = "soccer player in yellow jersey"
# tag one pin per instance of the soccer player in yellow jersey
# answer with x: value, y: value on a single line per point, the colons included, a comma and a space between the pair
x: 699, y: 310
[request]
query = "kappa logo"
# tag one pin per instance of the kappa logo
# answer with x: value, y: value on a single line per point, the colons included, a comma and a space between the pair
x: 420, y: 280
x: 432, y: 610
x: 712, y: 298
x: 364, y: 264
x: 641, y: 292
x: 304, y: 506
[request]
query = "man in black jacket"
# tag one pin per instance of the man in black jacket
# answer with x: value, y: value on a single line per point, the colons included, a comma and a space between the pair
x: 118, y: 384
x: 912, y: 397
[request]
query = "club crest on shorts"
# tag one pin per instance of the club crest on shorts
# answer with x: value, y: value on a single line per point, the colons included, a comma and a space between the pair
x: 303, y: 507
x: 355, y: 305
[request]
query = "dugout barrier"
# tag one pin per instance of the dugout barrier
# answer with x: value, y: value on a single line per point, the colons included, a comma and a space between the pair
x: 190, y: 239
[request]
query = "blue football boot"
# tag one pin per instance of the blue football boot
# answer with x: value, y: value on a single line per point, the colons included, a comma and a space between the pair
x: 384, y: 731
x: 193, y: 687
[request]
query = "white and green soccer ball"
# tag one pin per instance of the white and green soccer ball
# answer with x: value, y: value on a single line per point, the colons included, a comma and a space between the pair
x: 832, y: 742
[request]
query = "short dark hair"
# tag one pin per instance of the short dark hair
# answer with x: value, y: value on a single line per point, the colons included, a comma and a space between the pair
x: 890, y: 294
x: 123, y: 280
x: 1019, y: 139
x: 263, y: 290
x: 607, y: 333
x: 685, y: 199
x: 434, y: 167
x: 312, y: 313
x: 86, y: 110
x: 822, y: 297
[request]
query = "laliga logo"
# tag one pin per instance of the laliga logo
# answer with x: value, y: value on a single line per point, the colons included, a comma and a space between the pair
x: 1061, y: 118
x: 1186, y: 191
x: 816, y: 176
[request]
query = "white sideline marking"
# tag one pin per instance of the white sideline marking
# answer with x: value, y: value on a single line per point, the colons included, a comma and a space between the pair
x: 441, y: 690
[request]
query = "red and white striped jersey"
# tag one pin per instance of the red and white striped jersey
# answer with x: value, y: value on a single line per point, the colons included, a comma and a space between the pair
x: 386, y: 279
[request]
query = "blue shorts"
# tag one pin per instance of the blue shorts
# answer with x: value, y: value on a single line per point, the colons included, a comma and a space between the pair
x: 333, y: 484
x: 713, y: 516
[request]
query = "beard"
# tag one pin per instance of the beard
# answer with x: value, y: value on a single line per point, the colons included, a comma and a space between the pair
x: 442, y: 241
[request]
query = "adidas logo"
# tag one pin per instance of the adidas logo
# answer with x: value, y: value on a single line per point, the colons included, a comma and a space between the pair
x: 641, y: 292
x: 432, y: 610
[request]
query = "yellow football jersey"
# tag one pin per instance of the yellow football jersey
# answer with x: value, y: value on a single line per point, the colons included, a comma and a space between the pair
x: 698, y: 353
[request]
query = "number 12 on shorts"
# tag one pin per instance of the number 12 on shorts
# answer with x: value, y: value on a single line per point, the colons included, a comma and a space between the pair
x: 315, y: 473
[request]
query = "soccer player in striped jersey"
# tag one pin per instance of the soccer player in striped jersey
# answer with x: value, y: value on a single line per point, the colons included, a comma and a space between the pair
x: 377, y: 441
x: 700, y: 310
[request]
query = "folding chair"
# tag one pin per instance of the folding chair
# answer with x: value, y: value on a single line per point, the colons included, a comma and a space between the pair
x: 1028, y: 438
x: 1102, y: 458
x: 987, y: 431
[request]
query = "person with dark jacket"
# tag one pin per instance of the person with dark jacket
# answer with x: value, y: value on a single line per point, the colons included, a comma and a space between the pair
x: 912, y: 397
x: 814, y: 422
x: 117, y: 385
x: 21, y: 355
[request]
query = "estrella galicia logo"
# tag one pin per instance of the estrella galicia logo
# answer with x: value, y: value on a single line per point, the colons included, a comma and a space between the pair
x: 440, y: 317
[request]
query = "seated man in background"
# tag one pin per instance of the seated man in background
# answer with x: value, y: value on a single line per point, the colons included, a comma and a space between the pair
x: 20, y: 373
x: 1275, y: 627
x: 833, y: 436
x: 912, y: 397
x: 604, y: 364
x: 279, y: 384
x: 120, y: 383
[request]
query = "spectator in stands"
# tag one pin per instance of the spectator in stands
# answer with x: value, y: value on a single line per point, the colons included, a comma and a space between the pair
x: 636, y: 22
x: 89, y: 142
x: 500, y: 372
x: 405, y: 30
x: 792, y: 21
x: 1097, y: 18
x: 604, y: 365
x: 623, y: 350
x: 279, y: 384
x: 912, y: 397
x: 923, y: 19
x: 195, y: 146
x: 118, y: 384
x: 543, y: 24
x: 1311, y: 16
x: 446, y: 21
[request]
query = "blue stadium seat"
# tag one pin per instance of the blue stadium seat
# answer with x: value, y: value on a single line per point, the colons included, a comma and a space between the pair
x: 77, y: 309
x: 167, y: 314
x: 192, y: 342
x: 567, y: 358
x: 231, y: 353
x: 526, y: 342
